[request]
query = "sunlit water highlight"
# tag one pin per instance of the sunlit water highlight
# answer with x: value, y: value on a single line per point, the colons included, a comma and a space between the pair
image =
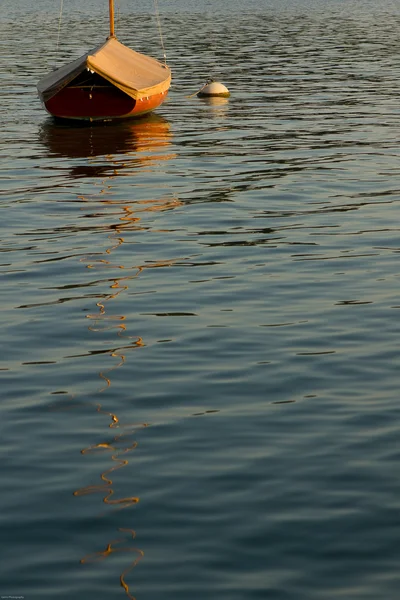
x: 200, y: 310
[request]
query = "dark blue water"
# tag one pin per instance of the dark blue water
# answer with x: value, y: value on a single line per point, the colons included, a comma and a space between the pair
x: 200, y: 310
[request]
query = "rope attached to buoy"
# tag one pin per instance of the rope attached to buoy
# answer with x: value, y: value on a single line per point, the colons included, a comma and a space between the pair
x: 202, y: 88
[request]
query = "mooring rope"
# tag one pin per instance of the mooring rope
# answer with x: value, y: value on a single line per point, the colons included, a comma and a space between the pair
x: 209, y: 80
x: 59, y: 23
x: 157, y: 13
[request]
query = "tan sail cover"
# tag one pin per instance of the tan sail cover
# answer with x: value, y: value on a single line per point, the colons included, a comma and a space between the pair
x: 135, y: 74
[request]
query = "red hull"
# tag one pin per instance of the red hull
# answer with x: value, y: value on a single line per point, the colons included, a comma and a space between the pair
x: 100, y: 103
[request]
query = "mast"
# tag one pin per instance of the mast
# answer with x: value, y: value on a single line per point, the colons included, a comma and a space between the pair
x: 111, y: 5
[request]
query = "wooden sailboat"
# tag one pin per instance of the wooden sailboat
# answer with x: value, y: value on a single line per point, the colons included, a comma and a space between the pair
x: 109, y: 82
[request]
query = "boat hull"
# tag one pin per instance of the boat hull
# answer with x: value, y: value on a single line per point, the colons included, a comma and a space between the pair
x: 100, y: 104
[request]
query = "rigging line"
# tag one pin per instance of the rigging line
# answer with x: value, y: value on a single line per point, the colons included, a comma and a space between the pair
x: 157, y: 13
x: 118, y: 13
x: 59, y: 24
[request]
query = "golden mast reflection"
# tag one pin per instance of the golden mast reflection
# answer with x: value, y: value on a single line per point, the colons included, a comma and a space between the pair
x: 123, y: 148
x: 110, y: 549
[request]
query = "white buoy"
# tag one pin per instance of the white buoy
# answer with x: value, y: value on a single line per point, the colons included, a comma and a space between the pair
x: 214, y: 88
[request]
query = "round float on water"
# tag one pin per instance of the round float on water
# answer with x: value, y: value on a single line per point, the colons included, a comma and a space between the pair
x: 214, y: 89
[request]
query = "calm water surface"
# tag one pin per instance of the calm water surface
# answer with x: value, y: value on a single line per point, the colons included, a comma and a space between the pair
x: 200, y: 310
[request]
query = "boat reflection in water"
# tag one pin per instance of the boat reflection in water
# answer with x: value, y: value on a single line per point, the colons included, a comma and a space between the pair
x: 130, y: 143
x: 111, y: 152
